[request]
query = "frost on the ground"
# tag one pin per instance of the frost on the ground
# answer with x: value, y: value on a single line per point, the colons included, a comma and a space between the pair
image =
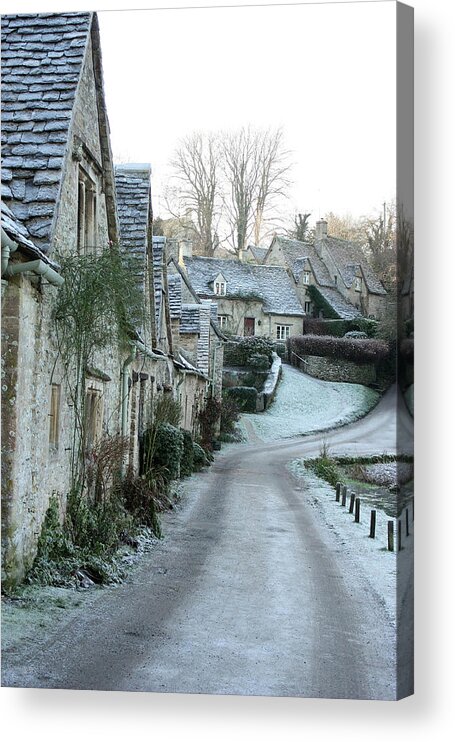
x: 304, y: 405
x: 357, y: 550
x: 390, y: 474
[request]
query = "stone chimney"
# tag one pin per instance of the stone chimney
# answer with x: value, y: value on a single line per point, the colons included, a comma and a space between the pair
x: 321, y: 229
x: 185, y: 250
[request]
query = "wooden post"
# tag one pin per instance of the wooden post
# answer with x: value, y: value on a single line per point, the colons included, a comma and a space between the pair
x: 390, y: 535
x: 351, y: 503
x: 337, y: 491
x: 399, y: 536
x: 407, y: 522
x: 357, y: 510
x: 373, y: 524
x: 344, y: 492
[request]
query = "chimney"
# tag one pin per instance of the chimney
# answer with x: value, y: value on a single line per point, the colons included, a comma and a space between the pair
x: 321, y: 229
x: 185, y: 250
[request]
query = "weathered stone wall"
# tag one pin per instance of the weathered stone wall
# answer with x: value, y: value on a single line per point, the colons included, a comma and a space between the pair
x: 330, y: 369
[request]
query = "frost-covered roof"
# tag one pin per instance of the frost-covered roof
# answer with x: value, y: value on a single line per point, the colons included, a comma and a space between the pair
x: 132, y: 185
x: 174, y: 284
x: 277, y: 290
x: 295, y: 251
x: 258, y: 253
x: 339, y: 304
x: 189, y: 319
x: 42, y: 59
x: 348, y: 257
x: 269, y: 284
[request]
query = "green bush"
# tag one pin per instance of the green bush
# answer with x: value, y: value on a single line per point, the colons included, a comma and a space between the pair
x: 347, y: 349
x: 325, y: 468
x: 229, y: 415
x: 187, y: 460
x: 207, y: 420
x: 280, y: 350
x: 245, y: 397
x: 259, y: 362
x: 199, y: 457
x: 239, y: 353
x: 338, y: 327
x: 167, y: 450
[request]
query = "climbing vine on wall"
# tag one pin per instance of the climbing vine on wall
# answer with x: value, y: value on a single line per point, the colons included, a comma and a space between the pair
x: 97, y: 308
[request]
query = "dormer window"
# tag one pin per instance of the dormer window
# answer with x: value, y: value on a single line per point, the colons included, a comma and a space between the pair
x: 358, y: 283
x: 219, y: 285
x: 306, y: 277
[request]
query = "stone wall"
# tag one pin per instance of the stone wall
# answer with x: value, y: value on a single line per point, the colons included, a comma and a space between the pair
x: 330, y: 369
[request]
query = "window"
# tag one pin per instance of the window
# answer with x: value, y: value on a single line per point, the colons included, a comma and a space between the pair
x: 283, y: 332
x: 358, y: 283
x: 307, y: 307
x: 306, y: 277
x: 93, y: 417
x: 86, y: 212
x: 220, y: 288
x: 335, y: 279
x: 54, y: 415
x: 222, y: 320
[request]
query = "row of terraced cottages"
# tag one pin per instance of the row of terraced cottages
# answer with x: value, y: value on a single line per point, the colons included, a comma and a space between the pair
x: 62, y: 195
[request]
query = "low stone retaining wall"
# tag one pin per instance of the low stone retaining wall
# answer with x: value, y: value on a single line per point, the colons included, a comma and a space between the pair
x: 331, y: 369
x: 267, y: 394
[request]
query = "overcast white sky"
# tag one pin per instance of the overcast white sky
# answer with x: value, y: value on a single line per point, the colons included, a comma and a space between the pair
x: 325, y: 73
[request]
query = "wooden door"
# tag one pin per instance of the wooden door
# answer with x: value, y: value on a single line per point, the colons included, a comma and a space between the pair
x: 248, y: 326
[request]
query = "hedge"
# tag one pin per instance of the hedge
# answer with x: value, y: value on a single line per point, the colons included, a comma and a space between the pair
x: 187, y: 460
x: 245, y: 396
x: 338, y: 327
x: 168, y: 449
x: 347, y: 349
x: 239, y: 353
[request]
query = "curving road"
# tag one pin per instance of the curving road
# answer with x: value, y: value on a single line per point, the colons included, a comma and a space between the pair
x: 245, y: 595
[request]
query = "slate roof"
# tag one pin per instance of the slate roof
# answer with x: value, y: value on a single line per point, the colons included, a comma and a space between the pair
x: 42, y: 60
x: 295, y: 252
x: 132, y: 185
x: 258, y: 253
x: 269, y: 284
x: 277, y: 290
x: 339, y: 304
x: 158, y: 248
x: 174, y: 284
x: 189, y: 319
x: 348, y: 257
x: 21, y: 236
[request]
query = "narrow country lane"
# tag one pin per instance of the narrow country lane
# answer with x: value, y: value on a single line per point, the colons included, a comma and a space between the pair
x: 246, y: 594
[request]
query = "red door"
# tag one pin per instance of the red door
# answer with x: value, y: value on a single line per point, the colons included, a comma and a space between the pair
x: 248, y: 326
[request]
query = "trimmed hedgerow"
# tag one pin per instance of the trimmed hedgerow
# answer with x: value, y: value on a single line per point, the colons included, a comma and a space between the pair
x: 245, y: 396
x: 187, y: 460
x: 199, y: 457
x: 346, y: 349
x: 239, y: 353
x: 338, y: 327
x: 168, y: 449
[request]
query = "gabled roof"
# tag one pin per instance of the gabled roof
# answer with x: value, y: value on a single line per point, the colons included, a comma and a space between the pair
x: 42, y: 61
x: 347, y: 257
x: 132, y: 184
x: 189, y: 319
x: 258, y: 253
x: 174, y: 285
x: 339, y: 304
x: 295, y: 251
x: 277, y: 290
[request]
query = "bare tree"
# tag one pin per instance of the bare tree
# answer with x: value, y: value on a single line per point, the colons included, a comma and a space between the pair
x: 194, y: 193
x: 300, y: 228
x: 256, y: 171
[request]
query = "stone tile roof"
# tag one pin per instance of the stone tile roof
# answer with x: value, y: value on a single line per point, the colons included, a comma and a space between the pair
x: 258, y: 253
x: 348, y: 256
x: 42, y: 60
x: 339, y: 304
x: 277, y: 290
x: 295, y: 252
x: 21, y: 236
x: 174, y: 285
x: 269, y: 284
x: 132, y: 185
x: 189, y: 319
x: 158, y: 250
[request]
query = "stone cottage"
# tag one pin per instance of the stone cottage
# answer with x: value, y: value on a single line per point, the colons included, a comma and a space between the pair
x: 251, y: 299
x: 62, y: 196
x: 332, y: 276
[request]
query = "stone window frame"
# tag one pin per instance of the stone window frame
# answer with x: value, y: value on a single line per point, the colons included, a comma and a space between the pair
x: 223, y: 320
x: 93, y: 414
x: 87, y: 211
x: 220, y: 288
x: 54, y: 418
x: 283, y: 332
x: 306, y: 277
x: 307, y: 307
x: 358, y: 283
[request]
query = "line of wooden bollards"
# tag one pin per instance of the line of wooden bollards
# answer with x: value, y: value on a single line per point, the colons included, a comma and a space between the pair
x: 341, y: 493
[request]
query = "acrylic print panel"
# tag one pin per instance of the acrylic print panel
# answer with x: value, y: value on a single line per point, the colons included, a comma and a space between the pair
x: 207, y: 299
